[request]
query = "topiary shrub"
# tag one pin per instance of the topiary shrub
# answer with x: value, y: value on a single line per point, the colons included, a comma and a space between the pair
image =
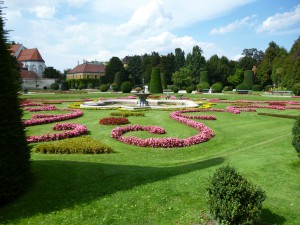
x: 114, y: 87
x: 217, y: 87
x: 228, y: 88
x: 248, y: 78
x: 202, y: 85
x: 126, y: 87
x: 175, y: 89
x: 203, y: 76
x: 54, y: 86
x: 296, y: 89
x: 268, y: 87
x: 296, y: 135
x: 104, y: 87
x: 189, y: 90
x: 64, y: 86
x: 79, y: 145
x: 232, y: 199
x: 155, y: 81
x: 242, y: 87
x: 256, y: 87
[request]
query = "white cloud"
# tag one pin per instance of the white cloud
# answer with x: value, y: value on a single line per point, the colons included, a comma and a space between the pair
x: 44, y: 12
x: 281, y: 21
x: 233, y: 26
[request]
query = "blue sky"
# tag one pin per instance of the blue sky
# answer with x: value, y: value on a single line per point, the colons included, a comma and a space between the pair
x: 68, y: 31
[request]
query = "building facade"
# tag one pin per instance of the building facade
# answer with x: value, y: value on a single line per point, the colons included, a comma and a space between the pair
x: 87, y: 70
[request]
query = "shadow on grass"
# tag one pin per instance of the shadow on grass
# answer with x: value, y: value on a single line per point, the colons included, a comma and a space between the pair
x: 269, y: 218
x: 64, y: 184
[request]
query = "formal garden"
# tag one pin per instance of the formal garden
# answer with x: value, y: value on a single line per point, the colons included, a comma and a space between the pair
x: 154, y: 166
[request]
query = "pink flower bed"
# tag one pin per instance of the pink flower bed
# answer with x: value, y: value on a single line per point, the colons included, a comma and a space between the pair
x: 204, y: 135
x: 43, y: 108
x: 70, y: 130
x: 43, y: 118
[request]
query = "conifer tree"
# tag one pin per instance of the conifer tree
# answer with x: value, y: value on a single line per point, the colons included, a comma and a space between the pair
x: 14, y: 151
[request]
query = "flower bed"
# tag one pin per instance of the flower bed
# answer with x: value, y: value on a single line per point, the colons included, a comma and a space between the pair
x: 43, y: 118
x: 113, y: 121
x: 204, y: 135
x: 70, y: 130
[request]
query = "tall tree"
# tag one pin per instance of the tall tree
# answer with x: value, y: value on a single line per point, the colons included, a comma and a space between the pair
x: 167, y: 67
x: 179, y: 58
x: 291, y: 67
x: 251, y: 57
x: 114, y: 65
x: 195, y: 62
x: 146, y: 68
x: 14, y: 151
x: 135, y: 69
x: 52, y: 73
x: 182, y: 78
x: 219, y: 69
x: 264, y: 70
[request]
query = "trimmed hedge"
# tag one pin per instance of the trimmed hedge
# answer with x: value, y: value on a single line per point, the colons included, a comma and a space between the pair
x: 296, y: 135
x: 175, y: 89
x: 54, y: 86
x: 256, y: 87
x: 202, y: 85
x: 217, y: 87
x: 155, y: 82
x: 228, y: 88
x: 189, y: 90
x: 296, y: 89
x: 242, y: 87
x: 126, y: 114
x: 248, y: 78
x: 113, y: 121
x: 126, y: 87
x: 232, y: 199
x: 203, y: 76
x: 78, y: 145
x: 64, y: 86
x: 277, y: 115
x: 104, y: 87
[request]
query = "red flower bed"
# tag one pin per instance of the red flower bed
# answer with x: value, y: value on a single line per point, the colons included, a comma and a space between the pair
x: 70, y: 130
x: 113, y: 121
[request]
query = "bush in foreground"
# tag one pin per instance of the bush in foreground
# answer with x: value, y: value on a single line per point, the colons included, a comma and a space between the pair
x: 296, y: 135
x: 232, y: 199
x: 79, y: 145
x: 126, y: 87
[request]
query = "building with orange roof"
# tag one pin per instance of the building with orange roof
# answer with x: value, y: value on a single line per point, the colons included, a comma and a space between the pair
x: 29, y: 58
x: 87, y: 70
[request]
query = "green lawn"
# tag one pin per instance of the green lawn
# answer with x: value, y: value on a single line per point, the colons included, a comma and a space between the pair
x: 138, y: 185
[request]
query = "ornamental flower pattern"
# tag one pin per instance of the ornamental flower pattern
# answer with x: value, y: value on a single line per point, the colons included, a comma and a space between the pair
x: 70, y: 130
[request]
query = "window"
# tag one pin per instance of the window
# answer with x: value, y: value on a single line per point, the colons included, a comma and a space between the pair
x: 95, y: 76
x: 88, y: 76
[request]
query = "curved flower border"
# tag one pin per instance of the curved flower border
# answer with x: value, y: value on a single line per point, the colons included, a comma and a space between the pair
x: 168, y: 142
x: 71, y: 130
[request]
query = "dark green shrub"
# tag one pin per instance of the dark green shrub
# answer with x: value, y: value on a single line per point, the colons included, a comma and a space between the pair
x: 118, y: 80
x: 189, y: 90
x: 90, y: 86
x: 45, y: 87
x: 54, y: 86
x: 114, y: 87
x: 248, y: 78
x: 256, y: 87
x: 242, y: 87
x: 79, y: 145
x: 203, y: 76
x: 126, y: 114
x: 104, y: 87
x: 64, y: 86
x: 175, y: 89
x: 296, y: 89
x: 268, y: 87
x: 228, y: 88
x: 163, y: 80
x: 232, y: 199
x: 14, y: 154
x: 126, y: 87
x: 81, y: 86
x: 202, y: 85
x: 155, y: 81
x: 296, y: 135
x: 217, y: 87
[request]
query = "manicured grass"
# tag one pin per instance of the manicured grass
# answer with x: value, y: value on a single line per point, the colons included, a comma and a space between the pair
x: 138, y: 185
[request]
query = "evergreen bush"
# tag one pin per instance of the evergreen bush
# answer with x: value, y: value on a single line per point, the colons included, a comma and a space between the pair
x: 268, y: 87
x: 296, y: 135
x: 155, y: 81
x: 217, y: 87
x: 232, y: 199
x: 114, y: 87
x: 203, y: 76
x: 256, y: 87
x: 118, y: 80
x: 104, y: 88
x: 243, y: 86
x: 296, y: 89
x: 248, y: 78
x: 202, y: 85
x: 15, y: 171
x: 228, y: 88
x: 54, y: 86
x: 64, y: 86
x: 189, y: 90
x: 175, y: 89
x: 126, y: 87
